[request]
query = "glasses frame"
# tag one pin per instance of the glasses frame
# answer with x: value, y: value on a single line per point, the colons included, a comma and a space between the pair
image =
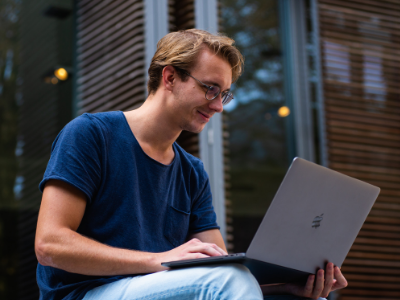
x: 225, y: 95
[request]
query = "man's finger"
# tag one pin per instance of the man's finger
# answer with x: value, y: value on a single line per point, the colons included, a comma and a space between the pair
x: 341, y: 282
x: 308, y: 289
x: 329, y: 280
x: 319, y: 285
x: 196, y: 241
x: 204, y: 248
x: 195, y: 255
x: 220, y: 250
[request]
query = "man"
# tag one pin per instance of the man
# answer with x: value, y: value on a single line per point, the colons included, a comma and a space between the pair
x: 120, y: 196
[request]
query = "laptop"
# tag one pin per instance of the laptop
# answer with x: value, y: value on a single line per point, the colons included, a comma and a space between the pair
x: 313, y: 219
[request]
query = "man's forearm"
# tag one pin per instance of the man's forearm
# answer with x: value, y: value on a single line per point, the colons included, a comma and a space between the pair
x: 75, y: 253
x: 72, y: 252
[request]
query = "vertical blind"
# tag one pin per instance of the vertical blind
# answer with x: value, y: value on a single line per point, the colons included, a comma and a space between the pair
x: 360, y: 52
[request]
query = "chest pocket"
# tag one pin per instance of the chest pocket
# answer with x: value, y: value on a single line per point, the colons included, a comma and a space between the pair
x: 176, y: 226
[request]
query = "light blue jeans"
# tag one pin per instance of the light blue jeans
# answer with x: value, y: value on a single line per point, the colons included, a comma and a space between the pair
x: 222, y: 282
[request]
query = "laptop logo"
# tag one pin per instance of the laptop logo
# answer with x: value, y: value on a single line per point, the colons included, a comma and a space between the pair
x: 317, y: 220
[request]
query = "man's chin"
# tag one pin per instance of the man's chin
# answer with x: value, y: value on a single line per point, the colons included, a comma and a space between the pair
x: 195, y: 129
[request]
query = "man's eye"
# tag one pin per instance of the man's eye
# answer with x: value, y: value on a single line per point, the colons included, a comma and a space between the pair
x: 214, y: 90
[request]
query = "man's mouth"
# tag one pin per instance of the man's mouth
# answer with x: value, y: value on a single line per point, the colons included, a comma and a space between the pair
x: 204, y: 115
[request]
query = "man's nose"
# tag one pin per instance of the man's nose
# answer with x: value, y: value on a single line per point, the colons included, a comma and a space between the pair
x: 216, y: 104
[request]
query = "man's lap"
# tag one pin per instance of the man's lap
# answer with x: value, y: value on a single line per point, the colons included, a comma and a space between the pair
x: 228, y: 282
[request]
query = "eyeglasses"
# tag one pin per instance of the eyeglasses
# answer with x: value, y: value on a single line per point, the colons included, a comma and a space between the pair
x: 212, y: 91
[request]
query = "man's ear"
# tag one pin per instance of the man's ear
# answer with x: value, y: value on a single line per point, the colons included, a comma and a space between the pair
x: 169, y: 77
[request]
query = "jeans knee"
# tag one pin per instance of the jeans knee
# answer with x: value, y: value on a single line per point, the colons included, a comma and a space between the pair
x: 235, y: 281
x: 234, y: 272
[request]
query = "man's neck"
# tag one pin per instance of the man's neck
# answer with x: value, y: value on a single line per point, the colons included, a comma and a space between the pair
x: 153, y: 130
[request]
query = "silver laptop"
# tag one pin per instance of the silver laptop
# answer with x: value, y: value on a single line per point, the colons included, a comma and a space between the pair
x: 313, y: 219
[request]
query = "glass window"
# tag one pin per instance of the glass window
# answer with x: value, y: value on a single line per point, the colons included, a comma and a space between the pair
x: 36, y: 39
x: 9, y: 63
x: 256, y: 118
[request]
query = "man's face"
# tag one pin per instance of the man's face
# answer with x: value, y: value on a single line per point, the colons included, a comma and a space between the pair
x: 192, y: 109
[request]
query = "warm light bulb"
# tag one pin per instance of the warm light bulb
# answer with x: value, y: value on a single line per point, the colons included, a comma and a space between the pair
x: 61, y: 74
x: 284, y: 111
x: 54, y: 80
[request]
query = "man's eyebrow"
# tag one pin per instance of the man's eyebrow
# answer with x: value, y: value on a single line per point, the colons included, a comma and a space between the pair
x: 212, y: 83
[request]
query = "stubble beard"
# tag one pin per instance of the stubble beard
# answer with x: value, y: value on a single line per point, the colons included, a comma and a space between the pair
x: 189, y: 126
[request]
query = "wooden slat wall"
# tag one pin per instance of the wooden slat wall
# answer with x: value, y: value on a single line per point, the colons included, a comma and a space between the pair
x: 110, y: 55
x: 360, y: 47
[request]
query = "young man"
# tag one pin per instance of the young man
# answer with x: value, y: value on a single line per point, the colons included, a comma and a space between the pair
x: 120, y: 196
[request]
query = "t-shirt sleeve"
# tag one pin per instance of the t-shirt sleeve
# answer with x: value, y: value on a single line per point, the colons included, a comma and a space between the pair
x: 76, y: 156
x: 202, y: 216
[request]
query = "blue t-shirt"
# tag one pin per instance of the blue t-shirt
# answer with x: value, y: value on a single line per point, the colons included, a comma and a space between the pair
x: 133, y: 201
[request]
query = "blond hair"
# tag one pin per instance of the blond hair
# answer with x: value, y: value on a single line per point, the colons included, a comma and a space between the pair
x: 181, y: 49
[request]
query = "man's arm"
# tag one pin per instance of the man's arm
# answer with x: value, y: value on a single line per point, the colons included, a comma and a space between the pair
x: 57, y: 243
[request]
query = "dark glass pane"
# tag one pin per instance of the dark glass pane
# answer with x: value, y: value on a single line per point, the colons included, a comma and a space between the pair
x: 9, y: 63
x: 35, y: 39
x: 257, y: 131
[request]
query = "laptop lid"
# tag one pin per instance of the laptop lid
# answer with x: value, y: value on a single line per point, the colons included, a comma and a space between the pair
x: 314, y: 218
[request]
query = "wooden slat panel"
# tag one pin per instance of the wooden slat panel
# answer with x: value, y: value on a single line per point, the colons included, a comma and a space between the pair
x: 387, y: 14
x: 353, y: 21
x: 110, y: 53
x: 95, y: 40
x: 360, y: 46
x: 358, y: 24
x: 105, y: 17
x: 372, y: 40
x: 376, y: 272
x: 366, y: 49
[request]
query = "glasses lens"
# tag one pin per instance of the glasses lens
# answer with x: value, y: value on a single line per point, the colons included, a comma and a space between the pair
x: 226, y: 98
x: 212, y: 92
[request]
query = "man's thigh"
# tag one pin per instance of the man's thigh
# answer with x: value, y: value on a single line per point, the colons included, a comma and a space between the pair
x: 230, y: 281
x: 287, y: 297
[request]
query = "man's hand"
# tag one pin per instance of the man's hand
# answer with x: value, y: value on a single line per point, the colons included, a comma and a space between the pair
x: 191, y: 250
x: 319, y: 285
